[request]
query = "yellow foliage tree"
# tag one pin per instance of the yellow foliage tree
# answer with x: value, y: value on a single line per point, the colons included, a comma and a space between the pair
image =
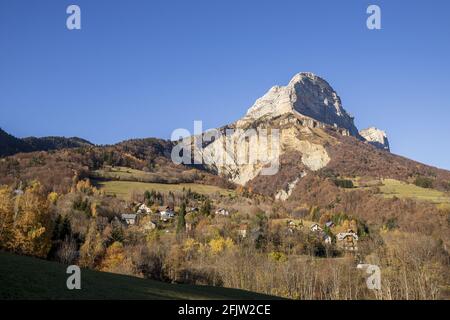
x: 92, y: 249
x: 115, y: 256
x: 220, y: 244
x: 277, y: 256
x: 85, y: 187
x: 190, y: 247
x: 52, y: 197
x: 6, y: 217
x: 94, y: 209
x: 32, y: 224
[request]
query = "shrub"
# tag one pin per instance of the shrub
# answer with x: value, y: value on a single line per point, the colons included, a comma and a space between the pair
x: 424, y: 182
x: 343, y: 183
x: 391, y: 224
x: 82, y: 205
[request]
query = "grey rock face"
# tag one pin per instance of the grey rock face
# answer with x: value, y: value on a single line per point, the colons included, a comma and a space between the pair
x: 297, y: 110
x: 308, y: 95
x: 376, y: 137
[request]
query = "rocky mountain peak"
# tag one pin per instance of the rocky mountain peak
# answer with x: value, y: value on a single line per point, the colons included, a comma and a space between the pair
x: 376, y: 137
x: 306, y: 95
x: 305, y: 104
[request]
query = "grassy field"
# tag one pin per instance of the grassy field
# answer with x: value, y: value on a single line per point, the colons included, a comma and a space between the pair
x: 123, y: 173
x: 31, y: 278
x: 391, y: 188
x: 394, y: 188
x: 124, y: 189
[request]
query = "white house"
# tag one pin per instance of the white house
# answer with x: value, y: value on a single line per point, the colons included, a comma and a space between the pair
x: 347, y: 240
x: 143, y: 209
x: 167, y: 214
x: 128, y: 218
x: 222, y: 212
x: 315, y: 227
x: 242, y: 231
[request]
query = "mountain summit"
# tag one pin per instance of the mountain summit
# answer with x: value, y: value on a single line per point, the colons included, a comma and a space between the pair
x: 307, y: 96
x: 310, y: 119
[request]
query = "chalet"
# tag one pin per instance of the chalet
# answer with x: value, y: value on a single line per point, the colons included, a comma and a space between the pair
x: 292, y: 225
x: 222, y: 212
x: 347, y: 240
x: 143, y: 209
x: 243, y: 230
x: 167, y: 214
x: 129, y: 219
x: 191, y: 209
x: 315, y: 227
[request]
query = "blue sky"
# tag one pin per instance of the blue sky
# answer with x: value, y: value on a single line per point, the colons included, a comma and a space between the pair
x: 144, y: 68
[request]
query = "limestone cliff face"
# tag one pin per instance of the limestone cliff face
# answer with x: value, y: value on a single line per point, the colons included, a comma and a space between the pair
x: 376, y: 137
x: 246, y: 153
x: 286, y: 119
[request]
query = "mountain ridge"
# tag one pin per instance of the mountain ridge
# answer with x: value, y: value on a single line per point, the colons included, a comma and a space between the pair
x: 10, y: 145
x: 313, y: 128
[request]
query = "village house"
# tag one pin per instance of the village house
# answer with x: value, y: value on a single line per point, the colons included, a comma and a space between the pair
x: 347, y: 240
x: 315, y: 227
x: 222, y: 212
x: 292, y: 226
x: 167, y: 214
x: 129, y: 218
x: 143, y: 209
x: 243, y: 230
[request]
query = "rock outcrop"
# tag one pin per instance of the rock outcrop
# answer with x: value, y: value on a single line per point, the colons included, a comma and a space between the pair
x: 376, y: 137
x: 286, y: 119
x: 306, y: 95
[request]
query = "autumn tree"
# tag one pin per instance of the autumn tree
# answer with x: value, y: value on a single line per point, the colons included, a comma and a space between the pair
x: 32, y: 225
x: 116, y: 261
x: 92, y: 249
x: 6, y: 217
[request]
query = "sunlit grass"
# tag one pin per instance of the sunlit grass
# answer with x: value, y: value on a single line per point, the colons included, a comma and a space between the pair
x: 124, y: 189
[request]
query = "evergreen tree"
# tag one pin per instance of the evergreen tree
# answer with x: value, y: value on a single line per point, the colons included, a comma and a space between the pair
x: 206, y: 207
x: 181, y: 225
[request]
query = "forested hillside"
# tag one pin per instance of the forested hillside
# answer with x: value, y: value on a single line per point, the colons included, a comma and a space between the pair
x: 10, y: 145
